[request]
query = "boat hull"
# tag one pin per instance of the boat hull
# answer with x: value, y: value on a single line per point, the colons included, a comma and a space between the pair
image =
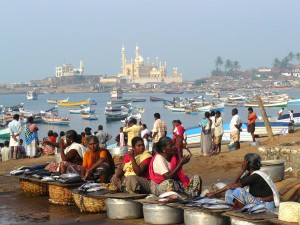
x: 74, y: 103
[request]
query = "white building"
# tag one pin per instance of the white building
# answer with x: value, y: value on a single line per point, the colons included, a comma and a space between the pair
x: 68, y: 70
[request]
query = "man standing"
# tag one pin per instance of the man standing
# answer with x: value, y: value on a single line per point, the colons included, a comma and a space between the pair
x: 159, y: 128
x: 132, y: 130
x: 15, y: 131
x: 251, y: 122
x: 218, y: 133
x: 103, y: 137
x: 280, y: 112
x: 235, y: 129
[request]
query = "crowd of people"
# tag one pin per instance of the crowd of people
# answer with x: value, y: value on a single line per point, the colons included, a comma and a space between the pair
x: 142, y: 171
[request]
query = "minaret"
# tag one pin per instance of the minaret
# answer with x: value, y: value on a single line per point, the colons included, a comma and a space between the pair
x: 137, y: 61
x: 81, y: 67
x: 123, y: 61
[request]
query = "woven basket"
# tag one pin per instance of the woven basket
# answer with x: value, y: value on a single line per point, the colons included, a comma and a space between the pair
x: 60, y: 195
x: 88, y: 204
x: 32, y: 188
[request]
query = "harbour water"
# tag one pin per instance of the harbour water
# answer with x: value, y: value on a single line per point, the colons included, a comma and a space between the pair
x: 168, y: 116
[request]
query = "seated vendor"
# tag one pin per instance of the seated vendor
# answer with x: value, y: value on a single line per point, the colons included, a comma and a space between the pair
x: 98, y: 164
x: 134, y: 169
x: 166, y: 172
x: 261, y: 188
x: 72, y: 153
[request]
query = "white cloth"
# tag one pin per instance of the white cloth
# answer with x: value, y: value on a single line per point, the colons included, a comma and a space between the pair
x: 219, y: 127
x: 122, y: 139
x: 161, y: 165
x: 143, y: 132
x: 5, y: 152
x: 235, y: 120
x: 14, y: 129
x: 212, y: 118
x: 31, y: 149
x: 291, y: 116
x: 271, y: 185
x: 78, y: 147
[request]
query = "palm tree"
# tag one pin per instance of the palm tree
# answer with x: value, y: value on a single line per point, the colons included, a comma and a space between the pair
x: 297, y: 55
x: 236, y: 65
x: 228, y: 64
x: 219, y: 62
x: 276, y: 62
x: 291, y: 56
x: 284, y: 63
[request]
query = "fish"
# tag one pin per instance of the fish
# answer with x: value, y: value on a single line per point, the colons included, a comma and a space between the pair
x: 87, y: 186
x: 257, y: 207
x: 95, y: 189
x: 68, y: 175
x: 71, y: 180
x: 212, y: 201
x: 219, y: 206
x: 170, y: 195
x: 259, y: 211
x: 37, y: 176
x: 247, y: 207
x: 16, y: 172
x: 47, y: 179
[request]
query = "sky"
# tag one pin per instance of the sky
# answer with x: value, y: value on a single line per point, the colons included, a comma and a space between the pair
x: 38, y: 35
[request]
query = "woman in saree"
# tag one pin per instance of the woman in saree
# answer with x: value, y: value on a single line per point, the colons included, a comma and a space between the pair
x: 261, y: 188
x: 98, y: 164
x: 31, y: 138
x: 72, y: 153
x: 133, y: 175
x: 166, y: 172
x: 206, y: 135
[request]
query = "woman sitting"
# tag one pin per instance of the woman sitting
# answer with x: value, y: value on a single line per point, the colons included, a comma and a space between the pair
x: 261, y: 188
x: 72, y: 153
x: 134, y: 169
x: 166, y: 173
x: 49, y: 144
x: 98, y: 164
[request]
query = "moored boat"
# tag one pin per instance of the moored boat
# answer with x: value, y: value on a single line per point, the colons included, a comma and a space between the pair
x: 115, y: 117
x: 138, y: 99
x: 155, y: 99
x: 294, y: 101
x: 55, y: 101
x: 116, y: 93
x: 4, y: 134
x: 31, y: 95
x: 119, y: 102
x: 90, y: 116
x: 173, y: 92
x: 82, y: 110
x: 113, y: 108
x: 74, y: 103
x: 56, y: 121
x: 267, y: 104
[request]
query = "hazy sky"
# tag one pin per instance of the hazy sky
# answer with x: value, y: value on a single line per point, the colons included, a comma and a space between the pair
x: 38, y: 35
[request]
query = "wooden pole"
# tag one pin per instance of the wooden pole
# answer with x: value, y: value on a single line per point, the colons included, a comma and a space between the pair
x: 264, y: 117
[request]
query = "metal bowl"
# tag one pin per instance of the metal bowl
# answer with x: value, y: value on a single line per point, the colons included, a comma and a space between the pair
x: 236, y: 221
x: 118, y: 151
x: 119, y: 209
x: 274, y: 169
x: 192, y: 217
x: 159, y: 214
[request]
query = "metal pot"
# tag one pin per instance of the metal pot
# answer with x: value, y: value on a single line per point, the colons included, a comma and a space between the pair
x: 118, y: 151
x: 274, y: 169
x: 192, y: 217
x: 159, y: 214
x: 123, y: 209
x: 235, y: 221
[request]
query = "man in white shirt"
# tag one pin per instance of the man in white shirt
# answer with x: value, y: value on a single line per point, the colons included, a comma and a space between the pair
x: 213, y: 120
x: 235, y: 129
x: 159, y: 128
x: 218, y: 132
x: 15, y: 131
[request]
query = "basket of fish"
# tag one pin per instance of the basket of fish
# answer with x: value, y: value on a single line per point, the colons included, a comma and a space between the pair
x: 91, y: 204
x: 210, y: 203
x: 32, y: 188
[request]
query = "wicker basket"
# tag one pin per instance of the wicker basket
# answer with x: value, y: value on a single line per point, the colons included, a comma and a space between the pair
x: 60, y: 195
x: 88, y: 204
x: 32, y: 188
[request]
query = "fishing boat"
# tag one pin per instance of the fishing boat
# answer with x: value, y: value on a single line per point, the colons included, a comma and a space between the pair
x: 74, y: 103
x: 56, y: 101
x: 115, y: 117
x: 138, y: 99
x: 267, y: 104
x: 50, y: 112
x: 294, y: 101
x: 173, y: 92
x: 235, y: 103
x: 4, y: 134
x: 155, y: 99
x: 116, y: 93
x: 284, y: 118
x: 31, y: 95
x: 119, y: 102
x: 93, y: 102
x: 175, y: 109
x: 113, y: 108
x: 82, y: 110
x: 56, y: 121
x: 90, y: 116
x: 212, y: 107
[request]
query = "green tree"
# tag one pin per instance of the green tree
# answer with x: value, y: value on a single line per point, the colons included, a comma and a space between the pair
x: 291, y: 56
x: 236, y: 65
x: 276, y: 62
x: 199, y: 82
x: 219, y: 62
x: 297, y: 55
x: 228, y: 64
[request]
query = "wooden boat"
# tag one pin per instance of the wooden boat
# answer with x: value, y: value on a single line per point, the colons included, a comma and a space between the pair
x: 284, y: 118
x: 267, y: 104
x: 155, y: 99
x: 116, y: 93
x: 31, y: 95
x: 56, y: 121
x: 115, y: 117
x: 294, y: 101
x: 74, y: 103
x: 90, y: 116
x: 173, y: 92
x: 119, y: 102
x: 113, y: 108
x: 235, y: 103
x: 82, y: 110
x: 138, y: 99
x: 4, y: 134
x: 175, y: 109
x: 55, y: 101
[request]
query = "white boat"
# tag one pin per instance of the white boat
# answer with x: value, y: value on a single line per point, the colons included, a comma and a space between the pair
x: 31, y: 95
x: 116, y: 93
x: 294, y: 101
x: 90, y: 116
x: 56, y: 101
x: 284, y: 118
x: 267, y: 104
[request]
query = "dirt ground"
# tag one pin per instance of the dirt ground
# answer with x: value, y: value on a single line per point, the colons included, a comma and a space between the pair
x: 16, y: 208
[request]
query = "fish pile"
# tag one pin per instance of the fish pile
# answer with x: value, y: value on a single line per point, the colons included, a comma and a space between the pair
x: 169, y: 196
x: 253, y: 208
x: 70, y: 178
x: 36, y: 171
x: 94, y: 187
x: 209, y: 203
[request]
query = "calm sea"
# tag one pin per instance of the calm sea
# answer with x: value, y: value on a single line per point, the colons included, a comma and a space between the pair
x: 168, y: 116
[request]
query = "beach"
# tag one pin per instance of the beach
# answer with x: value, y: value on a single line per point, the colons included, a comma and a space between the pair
x: 14, y: 204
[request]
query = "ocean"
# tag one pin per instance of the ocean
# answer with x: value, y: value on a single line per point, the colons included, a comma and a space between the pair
x: 168, y: 116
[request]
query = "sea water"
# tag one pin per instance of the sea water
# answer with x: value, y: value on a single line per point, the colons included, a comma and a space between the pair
x: 78, y: 124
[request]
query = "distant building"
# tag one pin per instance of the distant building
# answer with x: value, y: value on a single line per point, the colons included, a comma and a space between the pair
x: 67, y: 70
x: 139, y: 71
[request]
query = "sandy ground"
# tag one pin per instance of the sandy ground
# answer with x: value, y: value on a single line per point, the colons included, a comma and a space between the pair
x: 14, y: 205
